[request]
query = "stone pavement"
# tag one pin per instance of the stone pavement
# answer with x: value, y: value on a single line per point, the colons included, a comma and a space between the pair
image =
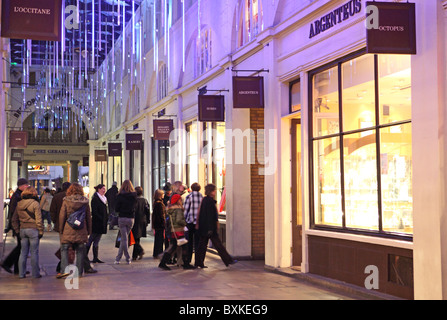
x: 143, y: 280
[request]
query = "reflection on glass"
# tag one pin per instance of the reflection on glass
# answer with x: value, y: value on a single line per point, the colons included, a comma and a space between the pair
x: 295, y: 93
x: 395, y: 88
x: 328, y: 210
x: 325, y: 103
x: 397, y: 175
x: 358, y: 93
x: 361, y: 205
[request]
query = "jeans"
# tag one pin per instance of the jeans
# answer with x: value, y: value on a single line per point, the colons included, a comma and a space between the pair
x: 80, y: 256
x: 29, y: 241
x: 125, y: 225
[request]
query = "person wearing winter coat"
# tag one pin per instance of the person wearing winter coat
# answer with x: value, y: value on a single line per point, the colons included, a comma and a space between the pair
x: 177, y: 223
x: 207, y: 226
x: 99, y: 220
x: 142, y: 219
x: 27, y: 221
x: 74, y: 201
x: 126, y: 202
x: 158, y: 222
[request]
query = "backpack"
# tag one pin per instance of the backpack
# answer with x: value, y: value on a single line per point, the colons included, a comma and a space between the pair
x: 77, y: 218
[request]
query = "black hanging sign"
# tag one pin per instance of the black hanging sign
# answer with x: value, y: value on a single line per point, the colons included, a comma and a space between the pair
x: 18, y: 139
x: 134, y: 141
x: 391, y: 27
x: 162, y: 129
x: 248, y: 92
x: 32, y: 19
x: 17, y: 154
x: 115, y: 149
x: 100, y: 155
x: 212, y: 108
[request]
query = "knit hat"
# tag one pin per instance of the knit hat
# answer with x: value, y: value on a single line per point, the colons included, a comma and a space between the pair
x: 175, y: 198
x: 21, y: 182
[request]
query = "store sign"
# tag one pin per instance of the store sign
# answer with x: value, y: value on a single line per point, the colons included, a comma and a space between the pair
x: 335, y: 17
x: 18, y: 139
x: 163, y: 129
x: 17, y: 154
x: 248, y: 92
x: 115, y: 149
x: 211, y: 108
x: 31, y: 19
x: 394, y: 32
x: 85, y: 161
x: 100, y: 155
x: 134, y: 141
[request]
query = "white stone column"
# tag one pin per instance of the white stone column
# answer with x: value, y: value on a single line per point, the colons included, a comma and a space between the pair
x: 429, y: 152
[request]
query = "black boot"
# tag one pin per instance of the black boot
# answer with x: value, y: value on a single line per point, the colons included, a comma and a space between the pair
x: 95, y: 255
x: 164, y: 260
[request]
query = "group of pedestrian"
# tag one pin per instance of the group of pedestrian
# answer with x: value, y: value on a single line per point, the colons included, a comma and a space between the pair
x: 179, y: 216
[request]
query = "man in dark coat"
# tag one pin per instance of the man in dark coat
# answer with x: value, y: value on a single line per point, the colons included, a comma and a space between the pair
x: 111, y: 202
x: 13, y: 257
x: 56, y: 205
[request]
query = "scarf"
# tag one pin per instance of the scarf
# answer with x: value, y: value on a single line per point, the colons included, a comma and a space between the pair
x: 103, y: 198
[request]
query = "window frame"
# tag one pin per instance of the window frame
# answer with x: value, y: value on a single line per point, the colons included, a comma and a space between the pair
x: 341, y: 135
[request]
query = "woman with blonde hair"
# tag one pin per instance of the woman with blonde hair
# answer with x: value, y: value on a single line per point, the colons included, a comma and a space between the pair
x: 27, y: 221
x: 126, y: 202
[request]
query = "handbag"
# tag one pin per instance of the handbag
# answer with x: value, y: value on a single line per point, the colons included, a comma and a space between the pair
x: 180, y: 241
x: 130, y: 241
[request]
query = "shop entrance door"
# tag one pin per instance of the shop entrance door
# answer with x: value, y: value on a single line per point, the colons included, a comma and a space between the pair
x: 297, y: 220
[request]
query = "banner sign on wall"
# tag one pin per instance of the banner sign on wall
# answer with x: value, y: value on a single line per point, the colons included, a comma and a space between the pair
x: 17, y: 154
x: 115, y: 149
x: 85, y: 161
x: 31, y: 19
x: 100, y: 155
x: 18, y: 139
x: 394, y: 32
x: 134, y: 141
x: 248, y: 92
x: 211, y: 108
x: 162, y: 129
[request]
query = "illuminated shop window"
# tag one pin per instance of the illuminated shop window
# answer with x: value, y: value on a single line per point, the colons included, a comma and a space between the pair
x: 162, y: 86
x: 361, y: 145
x: 192, y: 153
x: 250, y: 21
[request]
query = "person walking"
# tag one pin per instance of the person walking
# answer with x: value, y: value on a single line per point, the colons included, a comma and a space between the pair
x: 27, y: 221
x: 126, y: 202
x: 45, y: 203
x: 99, y: 221
x: 74, y: 201
x: 111, y: 201
x: 207, y: 226
x: 192, y: 204
x: 142, y: 219
x: 13, y: 258
x: 177, y: 223
x: 158, y: 222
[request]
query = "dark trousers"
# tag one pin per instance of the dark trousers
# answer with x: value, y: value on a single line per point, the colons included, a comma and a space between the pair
x: 137, y: 249
x: 158, y: 242
x: 193, y: 241
x: 13, y: 258
x: 217, y: 244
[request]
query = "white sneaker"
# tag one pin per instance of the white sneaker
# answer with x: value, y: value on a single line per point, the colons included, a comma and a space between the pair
x: 116, y: 262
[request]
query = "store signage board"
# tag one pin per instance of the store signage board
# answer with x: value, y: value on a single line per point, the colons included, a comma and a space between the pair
x: 395, y: 30
x: 100, y: 155
x: 17, y: 154
x: 163, y: 129
x: 115, y: 149
x: 31, y: 19
x: 85, y: 161
x: 18, y: 139
x: 134, y: 141
x: 248, y: 92
x: 211, y: 108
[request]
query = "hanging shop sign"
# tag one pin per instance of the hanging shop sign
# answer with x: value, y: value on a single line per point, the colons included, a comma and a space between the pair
x: 248, y: 92
x: 134, y: 141
x: 391, y: 27
x: 212, y: 108
x: 100, y: 155
x: 163, y: 129
x: 85, y: 161
x: 335, y: 17
x: 115, y: 149
x: 17, y: 154
x: 18, y: 139
x: 31, y: 19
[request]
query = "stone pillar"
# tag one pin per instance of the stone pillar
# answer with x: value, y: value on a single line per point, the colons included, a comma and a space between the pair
x: 65, y: 168
x: 24, y: 171
x: 74, y: 171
